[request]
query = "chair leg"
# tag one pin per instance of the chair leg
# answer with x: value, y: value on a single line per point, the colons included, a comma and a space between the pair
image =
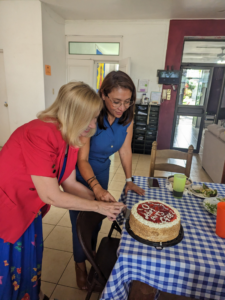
x: 88, y: 296
x: 89, y: 293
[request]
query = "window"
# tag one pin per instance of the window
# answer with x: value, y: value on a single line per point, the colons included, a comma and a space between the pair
x: 94, y: 48
x: 204, y: 51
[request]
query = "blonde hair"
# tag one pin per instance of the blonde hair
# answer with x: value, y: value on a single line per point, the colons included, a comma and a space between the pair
x: 74, y: 108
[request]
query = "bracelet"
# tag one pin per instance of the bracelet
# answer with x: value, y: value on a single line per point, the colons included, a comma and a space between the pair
x: 91, y: 178
x: 94, y: 185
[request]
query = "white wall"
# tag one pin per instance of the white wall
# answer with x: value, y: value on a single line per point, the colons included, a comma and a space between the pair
x: 21, y: 41
x: 32, y: 35
x: 54, y: 52
x: 144, y: 41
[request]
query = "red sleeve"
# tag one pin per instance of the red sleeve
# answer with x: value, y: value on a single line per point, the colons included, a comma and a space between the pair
x: 40, y: 148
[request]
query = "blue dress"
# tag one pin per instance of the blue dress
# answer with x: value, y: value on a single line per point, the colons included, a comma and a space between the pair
x: 102, y: 145
x: 20, y: 263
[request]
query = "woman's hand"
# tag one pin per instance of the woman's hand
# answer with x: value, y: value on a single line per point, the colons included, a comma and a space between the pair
x: 111, y: 210
x: 130, y: 186
x: 103, y: 195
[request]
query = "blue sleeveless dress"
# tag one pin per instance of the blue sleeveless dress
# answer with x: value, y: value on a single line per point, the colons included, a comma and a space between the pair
x: 102, y: 145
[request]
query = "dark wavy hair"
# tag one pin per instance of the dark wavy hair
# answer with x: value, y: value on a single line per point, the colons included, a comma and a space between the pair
x: 117, y: 79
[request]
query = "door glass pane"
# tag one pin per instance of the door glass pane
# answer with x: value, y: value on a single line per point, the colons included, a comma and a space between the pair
x: 193, y: 86
x: 186, y: 131
x: 102, y: 70
x: 85, y: 48
x: 215, y: 90
x: 223, y: 99
x: 204, y: 52
x: 221, y: 112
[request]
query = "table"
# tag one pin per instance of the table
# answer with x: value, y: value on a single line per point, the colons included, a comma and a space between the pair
x: 193, y: 268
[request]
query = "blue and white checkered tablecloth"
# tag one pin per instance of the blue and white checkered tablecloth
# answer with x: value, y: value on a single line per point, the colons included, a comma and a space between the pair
x: 193, y: 268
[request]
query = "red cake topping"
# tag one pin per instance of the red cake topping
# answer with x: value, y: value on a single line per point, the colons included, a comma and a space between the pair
x: 156, y: 212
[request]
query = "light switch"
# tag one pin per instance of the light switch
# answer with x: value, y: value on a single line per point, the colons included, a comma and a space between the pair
x: 164, y: 94
x: 168, y: 94
x: 53, y: 91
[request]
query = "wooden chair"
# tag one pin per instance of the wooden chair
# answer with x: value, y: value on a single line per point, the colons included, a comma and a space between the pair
x: 223, y: 175
x: 141, y: 291
x: 106, y: 256
x: 167, y: 167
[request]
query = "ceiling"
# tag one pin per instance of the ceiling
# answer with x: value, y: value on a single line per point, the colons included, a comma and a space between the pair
x: 137, y: 9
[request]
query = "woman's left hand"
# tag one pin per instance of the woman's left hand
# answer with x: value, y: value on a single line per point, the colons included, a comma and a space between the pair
x: 133, y: 187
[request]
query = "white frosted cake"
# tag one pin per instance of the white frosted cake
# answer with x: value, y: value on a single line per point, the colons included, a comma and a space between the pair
x: 155, y: 221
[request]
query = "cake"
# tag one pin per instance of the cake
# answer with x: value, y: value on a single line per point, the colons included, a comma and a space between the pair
x: 155, y: 221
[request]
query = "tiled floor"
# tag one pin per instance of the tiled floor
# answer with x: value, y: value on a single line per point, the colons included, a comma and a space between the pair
x: 58, y: 275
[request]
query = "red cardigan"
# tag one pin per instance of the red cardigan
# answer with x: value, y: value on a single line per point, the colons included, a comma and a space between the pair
x: 36, y: 148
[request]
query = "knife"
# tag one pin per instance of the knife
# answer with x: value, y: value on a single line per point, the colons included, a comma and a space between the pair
x: 126, y: 213
x: 149, y: 182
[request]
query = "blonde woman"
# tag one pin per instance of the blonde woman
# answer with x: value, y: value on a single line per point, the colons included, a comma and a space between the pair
x: 37, y: 158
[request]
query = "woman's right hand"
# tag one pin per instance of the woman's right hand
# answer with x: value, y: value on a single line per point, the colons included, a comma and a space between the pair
x: 110, y: 209
x: 49, y: 192
x: 103, y: 195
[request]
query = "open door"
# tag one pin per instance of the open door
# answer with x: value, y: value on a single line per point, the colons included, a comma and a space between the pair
x: 220, y: 115
x: 125, y: 65
x: 191, y: 107
x: 80, y: 70
x: 4, y: 114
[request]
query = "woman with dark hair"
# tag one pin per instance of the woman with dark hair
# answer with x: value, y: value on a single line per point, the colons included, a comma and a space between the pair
x: 114, y: 133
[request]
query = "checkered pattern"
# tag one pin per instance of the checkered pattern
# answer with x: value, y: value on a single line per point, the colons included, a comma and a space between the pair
x: 193, y: 268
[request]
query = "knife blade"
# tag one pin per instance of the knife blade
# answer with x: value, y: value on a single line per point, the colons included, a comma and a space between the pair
x: 126, y: 213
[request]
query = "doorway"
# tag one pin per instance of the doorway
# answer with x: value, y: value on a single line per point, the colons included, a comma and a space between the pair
x: 4, y: 114
x: 191, y: 107
x: 200, y: 102
x: 91, y: 71
x: 201, y: 92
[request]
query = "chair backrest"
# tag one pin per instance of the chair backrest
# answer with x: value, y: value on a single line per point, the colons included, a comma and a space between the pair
x: 175, y: 154
x: 86, y: 223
